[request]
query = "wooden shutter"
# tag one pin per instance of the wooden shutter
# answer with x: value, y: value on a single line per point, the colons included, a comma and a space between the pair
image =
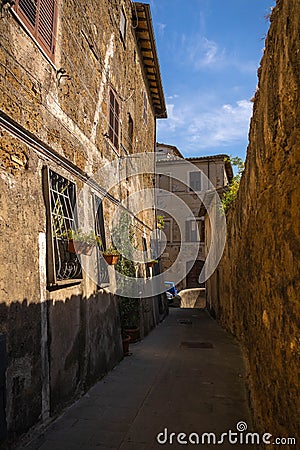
x: 39, y: 16
x: 29, y: 9
x: 45, y: 25
x: 195, y: 181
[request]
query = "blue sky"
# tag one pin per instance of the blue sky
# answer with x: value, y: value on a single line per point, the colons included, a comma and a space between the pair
x: 209, y: 52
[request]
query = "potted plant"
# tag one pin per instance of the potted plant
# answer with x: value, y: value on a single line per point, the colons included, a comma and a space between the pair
x: 111, y: 255
x: 160, y: 222
x: 130, y: 317
x: 82, y: 242
x: 152, y: 262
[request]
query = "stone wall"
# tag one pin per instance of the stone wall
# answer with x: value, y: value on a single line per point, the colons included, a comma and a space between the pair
x: 255, y: 291
x: 62, y: 339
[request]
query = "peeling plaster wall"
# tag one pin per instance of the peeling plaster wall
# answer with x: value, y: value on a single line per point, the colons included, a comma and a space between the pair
x: 60, y: 342
x: 255, y: 291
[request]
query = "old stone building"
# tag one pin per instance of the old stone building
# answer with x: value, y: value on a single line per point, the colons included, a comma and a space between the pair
x: 182, y: 184
x: 79, y: 96
x: 255, y: 290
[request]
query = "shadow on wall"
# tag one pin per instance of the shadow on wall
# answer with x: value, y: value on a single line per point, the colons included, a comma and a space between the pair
x: 52, y: 353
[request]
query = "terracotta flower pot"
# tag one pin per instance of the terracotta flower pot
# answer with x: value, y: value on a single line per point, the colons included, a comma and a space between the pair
x: 81, y: 248
x: 134, y: 333
x: 150, y: 263
x: 111, y: 259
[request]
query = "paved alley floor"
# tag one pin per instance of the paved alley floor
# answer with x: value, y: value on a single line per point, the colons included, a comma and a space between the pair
x: 187, y: 376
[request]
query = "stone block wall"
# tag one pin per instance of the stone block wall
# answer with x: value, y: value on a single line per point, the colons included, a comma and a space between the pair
x: 255, y: 291
x: 61, y: 340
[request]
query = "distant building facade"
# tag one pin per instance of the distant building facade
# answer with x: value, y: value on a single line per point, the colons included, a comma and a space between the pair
x: 187, y: 179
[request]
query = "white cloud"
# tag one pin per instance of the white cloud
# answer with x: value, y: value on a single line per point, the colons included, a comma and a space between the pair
x: 172, y: 97
x: 203, y: 52
x: 176, y: 119
x: 161, y: 28
x: 221, y: 126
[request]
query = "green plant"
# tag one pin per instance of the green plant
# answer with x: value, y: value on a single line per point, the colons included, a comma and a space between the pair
x: 230, y: 195
x: 111, y: 251
x: 126, y: 267
x: 88, y: 237
x: 129, y: 312
x: 123, y: 234
x: 160, y: 222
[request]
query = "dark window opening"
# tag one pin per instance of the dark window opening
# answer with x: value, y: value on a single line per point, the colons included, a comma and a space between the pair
x: 114, y: 111
x: 195, y: 230
x: 102, y: 270
x: 195, y: 181
x: 130, y: 133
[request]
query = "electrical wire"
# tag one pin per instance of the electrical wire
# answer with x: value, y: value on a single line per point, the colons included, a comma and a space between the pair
x: 80, y: 78
x: 60, y: 162
x: 49, y: 94
x: 48, y: 152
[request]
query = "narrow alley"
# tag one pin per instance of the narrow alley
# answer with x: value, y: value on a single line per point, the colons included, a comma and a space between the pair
x: 186, y: 376
x: 145, y: 152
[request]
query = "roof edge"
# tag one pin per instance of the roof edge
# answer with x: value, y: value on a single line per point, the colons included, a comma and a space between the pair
x: 160, y: 112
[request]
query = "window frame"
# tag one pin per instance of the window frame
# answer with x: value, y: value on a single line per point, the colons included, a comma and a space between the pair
x: 130, y: 132
x: 163, y: 177
x: 199, y: 230
x: 54, y: 244
x: 99, y: 229
x: 123, y: 25
x: 114, y: 119
x: 34, y: 28
x: 191, y: 187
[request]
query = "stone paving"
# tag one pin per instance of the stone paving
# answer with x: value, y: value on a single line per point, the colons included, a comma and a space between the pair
x: 186, y: 376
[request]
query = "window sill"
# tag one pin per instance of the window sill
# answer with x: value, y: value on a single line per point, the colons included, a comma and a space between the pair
x: 64, y: 284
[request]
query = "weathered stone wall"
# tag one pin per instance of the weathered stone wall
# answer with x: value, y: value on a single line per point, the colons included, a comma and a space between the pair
x: 59, y: 341
x: 255, y: 291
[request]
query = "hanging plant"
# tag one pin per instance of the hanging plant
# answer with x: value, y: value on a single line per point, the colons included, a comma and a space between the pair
x: 81, y: 242
x: 111, y: 256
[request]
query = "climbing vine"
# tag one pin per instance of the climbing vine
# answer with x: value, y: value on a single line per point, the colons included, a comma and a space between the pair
x: 231, y: 193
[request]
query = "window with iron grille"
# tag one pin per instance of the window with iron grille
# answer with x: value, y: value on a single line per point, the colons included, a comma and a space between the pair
x: 39, y: 16
x: 60, y: 198
x: 114, y: 111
